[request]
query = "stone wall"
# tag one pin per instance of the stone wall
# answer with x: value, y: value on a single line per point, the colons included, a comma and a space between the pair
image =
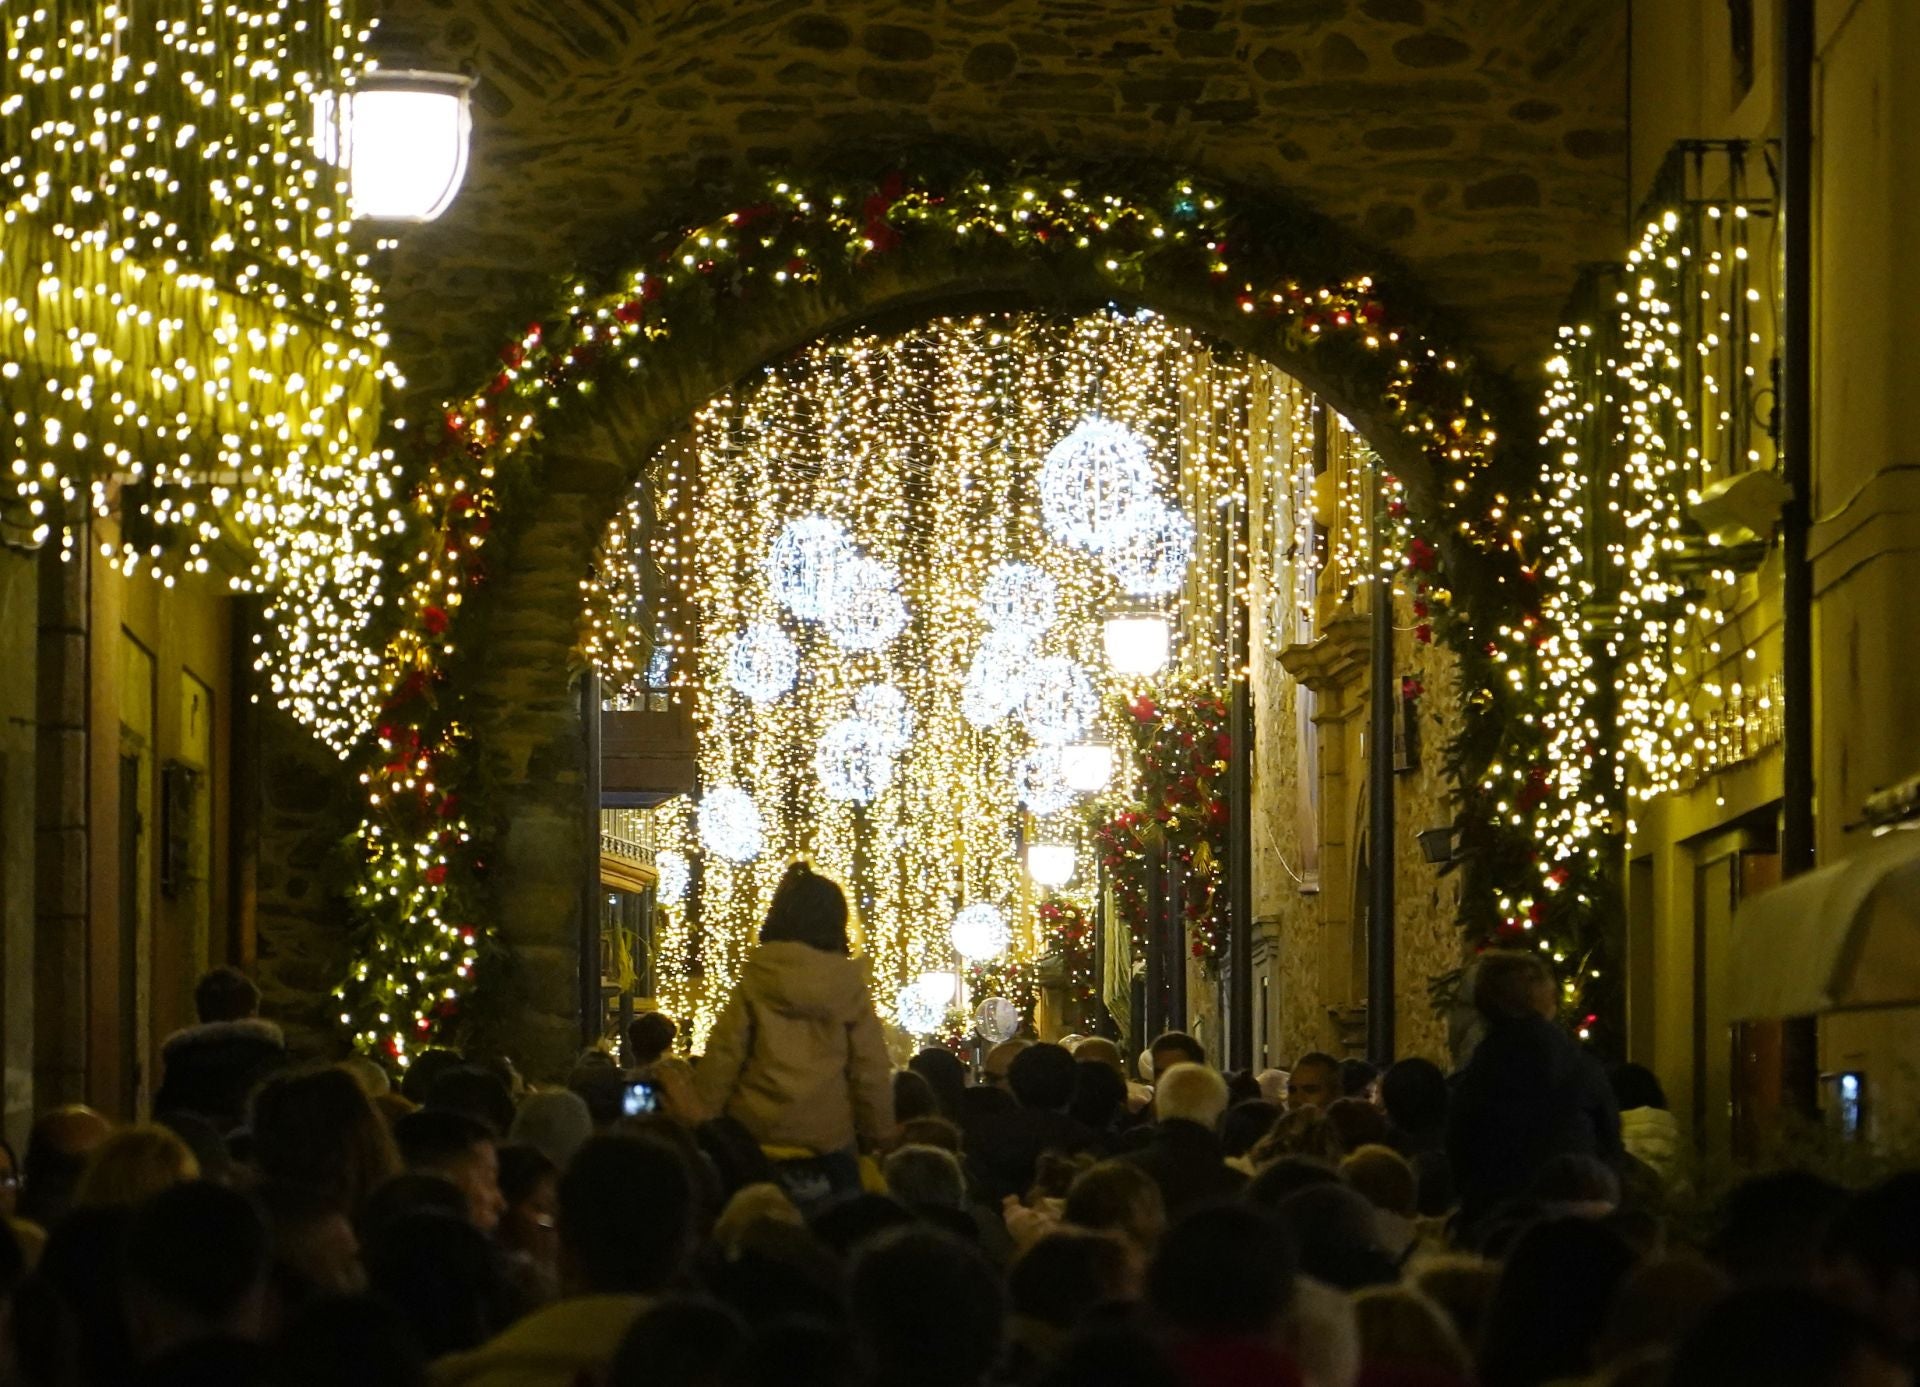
x: 1480, y: 141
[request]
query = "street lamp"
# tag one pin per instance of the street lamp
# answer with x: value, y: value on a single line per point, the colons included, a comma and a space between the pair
x: 1050, y: 864
x: 1138, y: 640
x: 402, y: 135
x: 1087, y: 766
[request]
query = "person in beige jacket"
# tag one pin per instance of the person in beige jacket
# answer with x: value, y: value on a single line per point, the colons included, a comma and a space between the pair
x: 797, y: 1057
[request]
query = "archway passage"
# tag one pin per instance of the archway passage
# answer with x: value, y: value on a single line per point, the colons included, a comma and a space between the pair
x: 553, y: 442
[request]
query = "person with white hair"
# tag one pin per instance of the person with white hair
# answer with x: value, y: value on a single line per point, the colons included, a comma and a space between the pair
x: 1183, y: 1152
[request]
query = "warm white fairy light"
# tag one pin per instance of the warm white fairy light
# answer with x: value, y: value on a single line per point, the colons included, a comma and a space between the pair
x: 675, y: 876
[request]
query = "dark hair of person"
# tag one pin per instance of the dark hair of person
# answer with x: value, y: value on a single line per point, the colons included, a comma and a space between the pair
x: 427, y: 1066
x: 932, y: 1131
x: 1573, y: 1178
x: 807, y: 909
x: 689, y: 1341
x: 1189, y: 1050
x: 1245, y: 1123
x: 1113, y: 1352
x: 199, y: 1246
x: 1286, y: 1176
x: 1636, y: 1086
x: 1358, y: 1122
x: 522, y: 1168
x: 649, y: 1036
x: 912, y: 1096
x: 1099, y: 1095
x: 1335, y: 1239
x: 49, y: 1174
x: 1776, y: 1336
x: 1548, y: 1309
x: 1042, y: 1076
x: 225, y: 994
x: 928, y: 1309
x: 1319, y: 1059
x: 1414, y: 1093
x: 352, y: 1339
x: 1242, y: 1087
x: 603, y: 1089
x: 413, y: 1192
x: 316, y: 1127
x: 627, y: 1214
x: 844, y: 1226
x: 1064, y: 1276
x: 74, y: 1304
x: 946, y: 1074
x: 474, y: 1091
x: 781, y: 1270
x: 1226, y: 1270
x: 1879, y: 1228
x: 1772, y: 1226
x: 443, y: 1276
x: 1507, y: 983
x: 431, y: 1138
x: 800, y: 1351
x: 1356, y: 1077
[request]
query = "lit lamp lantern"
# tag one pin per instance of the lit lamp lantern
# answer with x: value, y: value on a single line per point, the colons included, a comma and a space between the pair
x: 1138, y: 640
x: 1050, y: 864
x: 402, y: 136
x: 1087, y: 767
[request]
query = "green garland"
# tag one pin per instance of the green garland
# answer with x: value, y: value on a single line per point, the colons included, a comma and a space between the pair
x: 1276, y: 276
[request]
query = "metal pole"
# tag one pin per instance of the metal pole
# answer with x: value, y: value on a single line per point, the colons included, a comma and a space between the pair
x: 1240, y: 804
x: 1800, y: 1057
x: 590, y: 892
x: 1380, y: 827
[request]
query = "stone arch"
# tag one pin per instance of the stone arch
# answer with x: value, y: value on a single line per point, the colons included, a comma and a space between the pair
x: 516, y: 688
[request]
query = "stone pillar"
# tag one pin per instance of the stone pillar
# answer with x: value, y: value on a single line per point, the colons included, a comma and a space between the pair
x: 61, y: 779
x: 19, y: 622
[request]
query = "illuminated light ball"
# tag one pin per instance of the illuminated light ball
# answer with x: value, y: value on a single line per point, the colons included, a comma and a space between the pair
x: 675, y: 876
x: 996, y: 680
x: 1040, y: 781
x: 1020, y: 597
x: 1058, y: 703
x: 803, y: 563
x: 884, y: 708
x: 922, y: 1004
x: 1150, y: 550
x: 660, y: 666
x: 730, y: 824
x: 852, y: 762
x: 763, y: 662
x: 864, y: 608
x: 1090, y: 478
x: 980, y: 933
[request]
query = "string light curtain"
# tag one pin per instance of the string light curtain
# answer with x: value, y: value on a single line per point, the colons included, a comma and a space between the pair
x: 927, y: 449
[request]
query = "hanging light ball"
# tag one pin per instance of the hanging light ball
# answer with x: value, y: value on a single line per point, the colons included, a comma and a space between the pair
x: 730, y: 824
x: 1020, y: 597
x: 1090, y: 478
x: 980, y: 933
x: 922, y: 1004
x: 864, y: 608
x: 884, y: 708
x: 851, y: 762
x: 996, y: 680
x: 763, y: 662
x: 675, y: 875
x: 1050, y: 864
x: 1058, y: 702
x: 803, y: 561
x: 1040, y: 781
x: 1150, y: 549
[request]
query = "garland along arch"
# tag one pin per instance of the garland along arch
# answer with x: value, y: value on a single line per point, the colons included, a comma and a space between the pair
x: 1264, y: 276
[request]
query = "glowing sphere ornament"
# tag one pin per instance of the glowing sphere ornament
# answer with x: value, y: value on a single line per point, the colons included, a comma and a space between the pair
x: 864, y: 608
x: 803, y: 562
x: 730, y: 824
x: 1040, y: 781
x: 1090, y: 479
x: 1150, y: 550
x: 763, y: 662
x: 996, y: 680
x: 1058, y: 702
x: 676, y: 874
x: 980, y: 933
x: 922, y: 1004
x: 1020, y: 597
x: 851, y: 761
x: 884, y: 708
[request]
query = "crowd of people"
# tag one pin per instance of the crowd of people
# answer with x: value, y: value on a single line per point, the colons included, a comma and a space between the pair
x: 791, y: 1211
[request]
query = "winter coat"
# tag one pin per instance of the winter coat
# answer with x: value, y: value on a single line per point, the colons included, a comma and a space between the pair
x: 1652, y: 1136
x: 798, y: 1057
x: 1188, y: 1163
x: 1529, y: 1094
x: 210, y: 1069
x: 569, y: 1342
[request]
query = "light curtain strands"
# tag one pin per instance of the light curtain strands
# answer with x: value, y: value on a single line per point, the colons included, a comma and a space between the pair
x: 927, y: 449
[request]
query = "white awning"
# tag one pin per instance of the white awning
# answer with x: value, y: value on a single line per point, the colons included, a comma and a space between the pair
x: 1842, y: 938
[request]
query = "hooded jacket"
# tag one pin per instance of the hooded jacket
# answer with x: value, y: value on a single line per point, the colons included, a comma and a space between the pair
x: 798, y: 1057
x: 210, y: 1069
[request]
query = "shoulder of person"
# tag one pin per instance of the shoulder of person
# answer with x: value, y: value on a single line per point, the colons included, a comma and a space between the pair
x: 248, y: 1033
